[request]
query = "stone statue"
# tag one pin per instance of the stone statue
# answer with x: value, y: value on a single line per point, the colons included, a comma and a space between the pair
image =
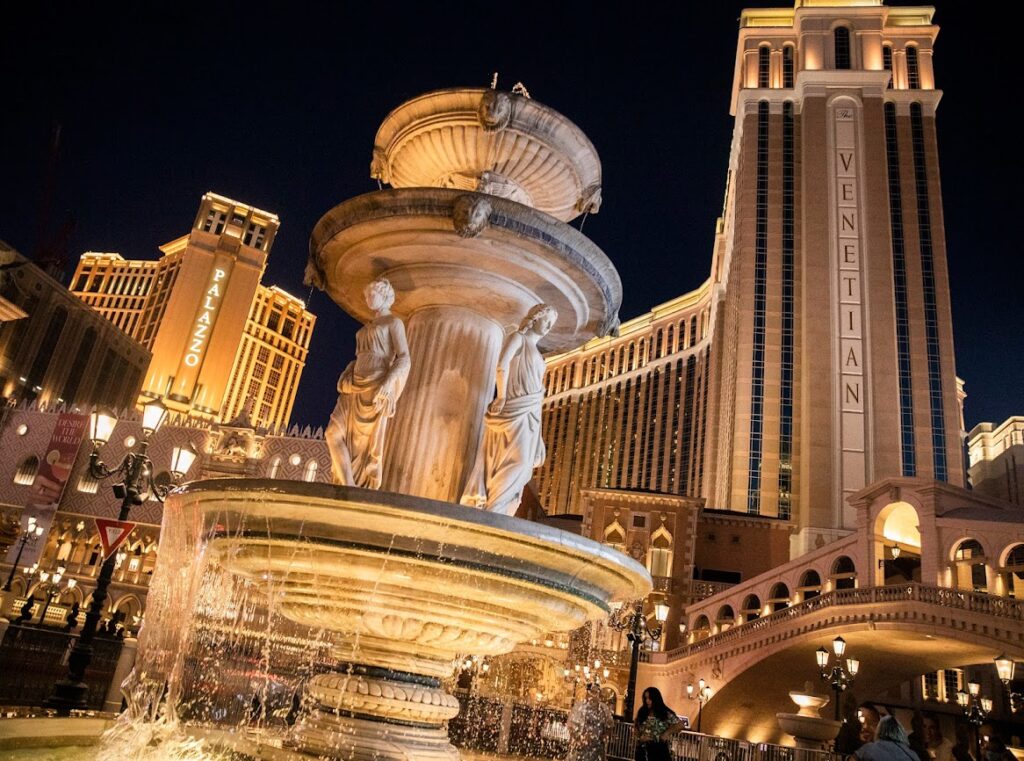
x: 367, y: 393
x: 511, y: 445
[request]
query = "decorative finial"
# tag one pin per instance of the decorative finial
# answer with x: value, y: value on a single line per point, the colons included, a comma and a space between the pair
x: 494, y: 81
x: 520, y: 89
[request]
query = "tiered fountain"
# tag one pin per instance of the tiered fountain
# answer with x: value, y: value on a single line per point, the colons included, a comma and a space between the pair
x: 400, y: 581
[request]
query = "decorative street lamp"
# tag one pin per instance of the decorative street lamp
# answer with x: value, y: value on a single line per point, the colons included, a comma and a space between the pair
x: 31, y: 533
x: 702, y: 695
x: 1005, y: 668
x: 136, y: 482
x: 54, y: 589
x: 976, y: 709
x: 631, y: 619
x: 839, y: 676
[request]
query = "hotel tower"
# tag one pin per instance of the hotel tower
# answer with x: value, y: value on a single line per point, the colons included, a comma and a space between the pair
x: 221, y: 341
x: 825, y: 362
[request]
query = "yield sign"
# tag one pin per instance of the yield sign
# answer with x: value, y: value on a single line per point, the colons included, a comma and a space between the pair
x: 113, y: 533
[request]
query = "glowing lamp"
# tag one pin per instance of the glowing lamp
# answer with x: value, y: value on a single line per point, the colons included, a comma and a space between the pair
x: 44, y: 575
x: 1005, y: 667
x: 974, y: 688
x: 153, y: 415
x: 689, y: 690
x: 101, y: 426
x: 182, y: 459
x: 701, y: 684
x: 39, y: 530
x: 963, y: 698
x: 895, y: 551
x: 822, y: 655
x: 565, y: 673
x: 661, y: 612
x: 839, y: 646
x: 853, y: 666
x: 72, y: 583
x: 986, y: 705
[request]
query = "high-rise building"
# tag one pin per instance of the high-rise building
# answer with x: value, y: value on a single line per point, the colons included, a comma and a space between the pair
x: 829, y: 354
x: 54, y: 350
x: 996, y: 454
x: 221, y: 341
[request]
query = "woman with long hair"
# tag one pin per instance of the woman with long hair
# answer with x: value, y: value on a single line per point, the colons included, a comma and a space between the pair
x: 655, y: 723
x: 891, y: 743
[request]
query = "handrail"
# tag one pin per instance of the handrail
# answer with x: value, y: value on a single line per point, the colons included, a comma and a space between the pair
x: 976, y: 602
x: 694, y: 746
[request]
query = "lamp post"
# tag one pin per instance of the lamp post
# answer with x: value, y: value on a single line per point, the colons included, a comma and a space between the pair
x: 976, y: 709
x: 29, y: 536
x: 54, y: 588
x: 630, y: 619
x: 1005, y: 668
x: 838, y: 676
x: 136, y: 481
x: 702, y: 695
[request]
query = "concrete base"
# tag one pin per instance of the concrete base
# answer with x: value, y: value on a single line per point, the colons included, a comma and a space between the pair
x: 45, y: 732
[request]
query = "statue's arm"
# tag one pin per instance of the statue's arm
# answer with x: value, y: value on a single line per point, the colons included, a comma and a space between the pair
x: 401, y: 362
x: 513, y: 343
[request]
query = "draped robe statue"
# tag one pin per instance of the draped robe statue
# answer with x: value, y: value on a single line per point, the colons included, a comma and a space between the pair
x: 511, y: 445
x: 368, y: 391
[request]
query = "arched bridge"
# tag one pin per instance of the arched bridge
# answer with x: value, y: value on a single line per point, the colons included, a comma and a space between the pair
x: 896, y: 631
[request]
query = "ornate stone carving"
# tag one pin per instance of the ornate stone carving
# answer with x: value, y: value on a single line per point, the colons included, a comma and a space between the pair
x: 495, y: 110
x: 496, y: 184
x: 388, y: 698
x: 379, y: 167
x: 590, y: 200
x: 511, y: 445
x: 368, y: 391
x: 470, y: 215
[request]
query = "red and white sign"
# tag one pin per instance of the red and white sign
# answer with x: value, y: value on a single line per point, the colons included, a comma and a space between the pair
x: 113, y: 533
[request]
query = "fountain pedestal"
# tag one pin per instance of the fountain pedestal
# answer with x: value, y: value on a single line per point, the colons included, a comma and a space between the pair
x: 809, y: 729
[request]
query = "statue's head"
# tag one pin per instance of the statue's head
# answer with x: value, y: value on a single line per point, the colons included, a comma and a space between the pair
x: 379, y: 294
x: 539, y: 319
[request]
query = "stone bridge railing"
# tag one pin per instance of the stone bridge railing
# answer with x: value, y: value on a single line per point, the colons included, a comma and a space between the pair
x: 1003, y: 608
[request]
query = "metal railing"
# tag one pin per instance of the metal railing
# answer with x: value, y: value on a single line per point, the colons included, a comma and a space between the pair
x: 974, y: 602
x: 33, y: 659
x: 694, y: 746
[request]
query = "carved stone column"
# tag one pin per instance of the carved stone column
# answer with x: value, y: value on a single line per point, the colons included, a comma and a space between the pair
x: 435, y: 433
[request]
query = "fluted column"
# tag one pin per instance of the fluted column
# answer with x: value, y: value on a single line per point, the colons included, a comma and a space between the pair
x: 435, y: 433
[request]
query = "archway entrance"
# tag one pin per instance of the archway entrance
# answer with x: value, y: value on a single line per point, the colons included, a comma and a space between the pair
x: 898, y: 544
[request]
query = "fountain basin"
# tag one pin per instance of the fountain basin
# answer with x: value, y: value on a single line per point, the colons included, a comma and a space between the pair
x: 498, y: 142
x: 405, y: 585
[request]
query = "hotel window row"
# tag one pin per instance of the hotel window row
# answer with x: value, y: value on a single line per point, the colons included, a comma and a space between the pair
x: 843, y: 59
x: 638, y: 353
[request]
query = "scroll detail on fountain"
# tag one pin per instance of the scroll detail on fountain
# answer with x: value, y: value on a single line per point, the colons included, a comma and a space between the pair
x: 401, y: 578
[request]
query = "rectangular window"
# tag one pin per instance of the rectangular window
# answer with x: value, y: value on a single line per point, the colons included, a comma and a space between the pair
x: 215, y: 219
x: 639, y: 520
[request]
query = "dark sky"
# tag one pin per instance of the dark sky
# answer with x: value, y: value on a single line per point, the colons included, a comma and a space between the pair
x: 278, y: 107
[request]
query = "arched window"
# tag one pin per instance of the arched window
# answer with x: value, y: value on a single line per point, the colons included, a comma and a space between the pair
x: 764, y: 66
x: 788, y: 66
x: 841, y: 36
x: 725, y: 618
x: 778, y: 597
x: 887, y: 62
x: 701, y: 629
x: 693, y: 330
x: 810, y: 585
x: 751, y: 608
x: 969, y: 566
x: 670, y: 338
x: 844, y: 573
x: 1013, y: 573
x: 310, y: 472
x: 659, y: 556
x: 913, y: 68
x: 275, y: 466
x: 25, y: 475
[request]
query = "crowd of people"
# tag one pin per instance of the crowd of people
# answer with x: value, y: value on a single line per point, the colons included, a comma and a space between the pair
x: 872, y: 736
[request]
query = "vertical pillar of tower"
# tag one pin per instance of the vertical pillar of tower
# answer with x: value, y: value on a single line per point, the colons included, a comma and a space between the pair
x: 436, y: 430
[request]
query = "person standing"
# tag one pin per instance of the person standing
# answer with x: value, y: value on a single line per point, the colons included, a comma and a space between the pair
x: 655, y: 724
x: 890, y: 744
x: 590, y: 724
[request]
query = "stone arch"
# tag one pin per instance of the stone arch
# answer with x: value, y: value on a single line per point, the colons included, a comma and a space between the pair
x: 843, y: 573
x: 1011, y: 571
x: 968, y: 565
x: 275, y: 466
x: 701, y: 629
x: 897, y: 543
x: 778, y: 597
x: 809, y: 585
x: 750, y: 609
x: 725, y: 618
x: 309, y: 472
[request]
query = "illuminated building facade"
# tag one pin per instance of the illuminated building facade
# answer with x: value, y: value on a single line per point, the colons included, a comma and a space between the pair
x: 828, y: 348
x: 56, y: 351
x: 202, y: 303
x: 996, y: 455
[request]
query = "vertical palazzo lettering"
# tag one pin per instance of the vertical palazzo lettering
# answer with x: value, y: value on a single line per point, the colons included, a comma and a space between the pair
x: 201, y: 328
x: 849, y: 300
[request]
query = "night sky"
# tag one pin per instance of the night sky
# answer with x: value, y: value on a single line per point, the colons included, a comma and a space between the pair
x: 278, y: 108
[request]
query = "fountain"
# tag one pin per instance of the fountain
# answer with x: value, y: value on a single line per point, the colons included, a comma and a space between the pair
x: 810, y: 730
x: 371, y: 595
